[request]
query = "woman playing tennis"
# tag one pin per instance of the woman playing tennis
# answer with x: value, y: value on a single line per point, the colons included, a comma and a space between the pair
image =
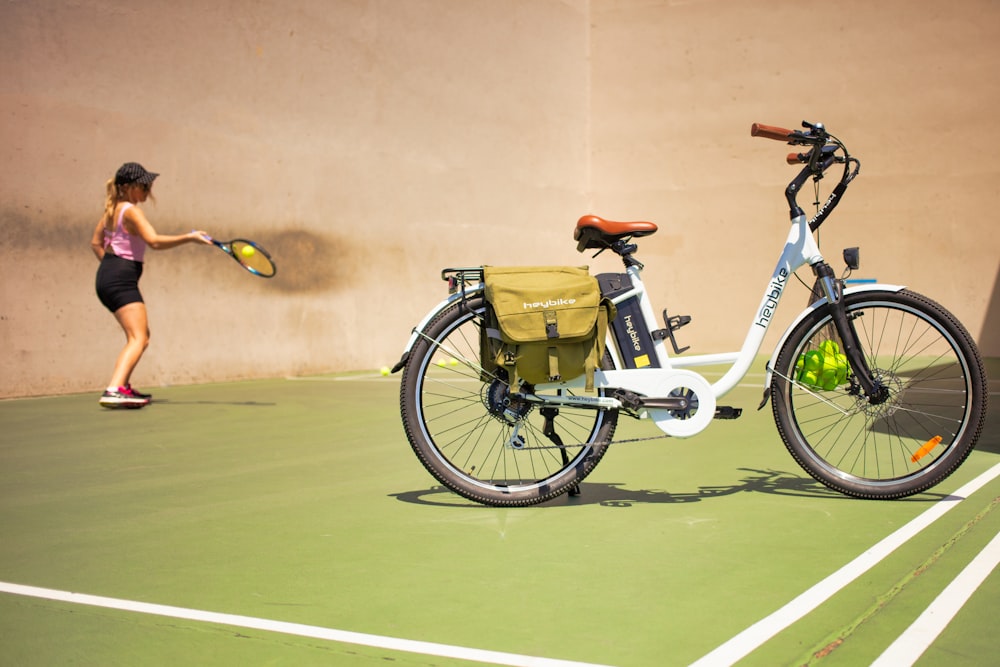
x: 120, y: 240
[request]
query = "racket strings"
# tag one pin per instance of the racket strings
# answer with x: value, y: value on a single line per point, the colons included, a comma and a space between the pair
x: 256, y: 259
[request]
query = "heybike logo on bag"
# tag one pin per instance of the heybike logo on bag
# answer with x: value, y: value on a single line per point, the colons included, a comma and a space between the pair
x: 549, y: 303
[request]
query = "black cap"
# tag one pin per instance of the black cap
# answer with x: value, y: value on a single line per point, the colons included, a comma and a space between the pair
x: 133, y: 172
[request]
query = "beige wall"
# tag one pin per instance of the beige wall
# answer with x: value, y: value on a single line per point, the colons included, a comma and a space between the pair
x: 369, y: 143
x: 911, y: 88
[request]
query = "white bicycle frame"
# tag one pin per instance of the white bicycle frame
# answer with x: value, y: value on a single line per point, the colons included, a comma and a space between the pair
x: 674, y: 374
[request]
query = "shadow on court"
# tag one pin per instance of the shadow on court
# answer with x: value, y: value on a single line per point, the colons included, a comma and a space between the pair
x: 236, y: 403
x: 301, y: 502
x: 611, y: 494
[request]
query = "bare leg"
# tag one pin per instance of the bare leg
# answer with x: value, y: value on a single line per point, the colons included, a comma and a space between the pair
x: 133, y: 320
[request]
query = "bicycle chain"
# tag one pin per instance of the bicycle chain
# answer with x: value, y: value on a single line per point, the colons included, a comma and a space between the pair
x: 591, y: 444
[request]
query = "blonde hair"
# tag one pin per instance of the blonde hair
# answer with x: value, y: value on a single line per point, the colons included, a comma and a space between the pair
x: 114, y: 195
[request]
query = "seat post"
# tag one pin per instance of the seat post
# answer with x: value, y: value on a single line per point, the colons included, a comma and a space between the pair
x: 626, y: 251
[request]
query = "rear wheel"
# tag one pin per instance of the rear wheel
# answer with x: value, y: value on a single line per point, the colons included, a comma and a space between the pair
x: 932, y: 415
x: 478, y: 439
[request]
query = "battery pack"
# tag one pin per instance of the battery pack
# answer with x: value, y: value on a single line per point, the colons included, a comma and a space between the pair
x: 632, y: 337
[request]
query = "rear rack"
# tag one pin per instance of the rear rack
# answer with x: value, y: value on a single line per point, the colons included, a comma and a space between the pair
x: 459, y: 278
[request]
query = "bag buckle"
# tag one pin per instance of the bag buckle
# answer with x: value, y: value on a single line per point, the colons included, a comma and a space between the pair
x: 551, y: 325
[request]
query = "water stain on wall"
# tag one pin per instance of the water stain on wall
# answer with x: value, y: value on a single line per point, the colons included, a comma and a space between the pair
x: 307, y: 261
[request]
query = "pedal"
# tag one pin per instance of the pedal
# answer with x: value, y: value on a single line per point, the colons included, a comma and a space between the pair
x: 673, y: 324
x: 727, y: 412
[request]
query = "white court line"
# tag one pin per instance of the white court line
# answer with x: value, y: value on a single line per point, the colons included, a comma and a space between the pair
x: 311, y: 631
x: 918, y: 637
x: 728, y: 653
x: 753, y: 637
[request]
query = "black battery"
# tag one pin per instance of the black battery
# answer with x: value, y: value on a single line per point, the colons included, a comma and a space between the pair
x: 635, y: 344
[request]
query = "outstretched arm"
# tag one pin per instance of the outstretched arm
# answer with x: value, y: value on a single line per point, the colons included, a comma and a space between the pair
x: 136, y: 223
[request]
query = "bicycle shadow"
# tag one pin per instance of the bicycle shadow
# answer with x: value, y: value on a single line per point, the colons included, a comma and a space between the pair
x: 610, y: 494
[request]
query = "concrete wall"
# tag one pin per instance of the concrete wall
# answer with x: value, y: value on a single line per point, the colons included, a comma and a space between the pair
x: 365, y: 143
x: 370, y: 143
x: 910, y: 87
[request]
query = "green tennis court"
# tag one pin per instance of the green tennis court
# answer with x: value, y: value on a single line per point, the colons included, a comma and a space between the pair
x: 287, y: 522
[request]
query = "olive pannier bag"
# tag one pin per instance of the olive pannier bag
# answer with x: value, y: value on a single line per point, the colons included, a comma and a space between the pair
x: 543, y: 323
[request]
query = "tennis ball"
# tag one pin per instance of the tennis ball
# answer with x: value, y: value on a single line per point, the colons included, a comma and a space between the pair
x: 442, y: 363
x: 809, y: 377
x: 829, y: 348
x: 841, y: 361
x: 384, y: 370
x: 248, y: 251
x: 814, y: 361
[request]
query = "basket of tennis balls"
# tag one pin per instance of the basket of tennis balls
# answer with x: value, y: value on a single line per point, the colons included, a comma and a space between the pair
x: 825, y: 368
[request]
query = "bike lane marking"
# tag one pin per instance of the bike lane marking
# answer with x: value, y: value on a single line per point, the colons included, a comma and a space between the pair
x: 916, y: 639
x: 310, y: 631
x: 760, y: 632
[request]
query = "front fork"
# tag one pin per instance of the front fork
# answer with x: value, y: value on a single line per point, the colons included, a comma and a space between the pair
x: 831, y: 288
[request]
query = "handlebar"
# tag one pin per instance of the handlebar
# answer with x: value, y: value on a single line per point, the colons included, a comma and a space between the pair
x: 770, y: 132
x: 822, y: 154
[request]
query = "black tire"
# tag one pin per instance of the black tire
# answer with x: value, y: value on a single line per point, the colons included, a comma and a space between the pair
x: 937, y: 388
x: 455, y: 422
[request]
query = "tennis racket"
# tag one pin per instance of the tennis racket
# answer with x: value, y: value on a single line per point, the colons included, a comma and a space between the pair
x: 250, y: 256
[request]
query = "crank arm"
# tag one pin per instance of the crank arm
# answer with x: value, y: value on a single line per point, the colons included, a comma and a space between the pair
x: 668, y: 403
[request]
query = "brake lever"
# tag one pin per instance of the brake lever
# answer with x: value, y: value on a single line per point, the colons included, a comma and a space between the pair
x: 816, y: 135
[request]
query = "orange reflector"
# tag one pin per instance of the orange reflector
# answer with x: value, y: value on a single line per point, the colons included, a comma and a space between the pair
x: 926, y: 448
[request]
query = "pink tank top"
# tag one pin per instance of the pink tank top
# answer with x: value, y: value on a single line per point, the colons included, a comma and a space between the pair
x: 123, y: 244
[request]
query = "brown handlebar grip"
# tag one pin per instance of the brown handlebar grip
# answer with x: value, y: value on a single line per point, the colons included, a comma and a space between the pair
x: 770, y: 132
x: 795, y: 158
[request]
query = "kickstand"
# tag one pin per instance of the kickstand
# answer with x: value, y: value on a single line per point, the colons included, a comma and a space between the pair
x: 549, y: 431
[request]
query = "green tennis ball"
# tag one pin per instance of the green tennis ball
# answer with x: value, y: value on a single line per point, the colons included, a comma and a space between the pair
x: 841, y: 361
x: 828, y: 380
x: 248, y: 251
x: 809, y: 377
x: 813, y: 361
x: 829, y: 348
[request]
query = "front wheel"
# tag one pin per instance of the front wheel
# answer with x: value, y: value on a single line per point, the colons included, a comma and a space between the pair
x: 934, y: 405
x: 479, y: 439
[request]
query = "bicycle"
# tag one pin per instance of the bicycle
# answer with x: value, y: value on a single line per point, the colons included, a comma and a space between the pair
x: 899, y: 409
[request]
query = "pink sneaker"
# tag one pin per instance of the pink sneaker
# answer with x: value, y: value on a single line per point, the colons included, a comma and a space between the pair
x: 139, y: 394
x: 123, y: 397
